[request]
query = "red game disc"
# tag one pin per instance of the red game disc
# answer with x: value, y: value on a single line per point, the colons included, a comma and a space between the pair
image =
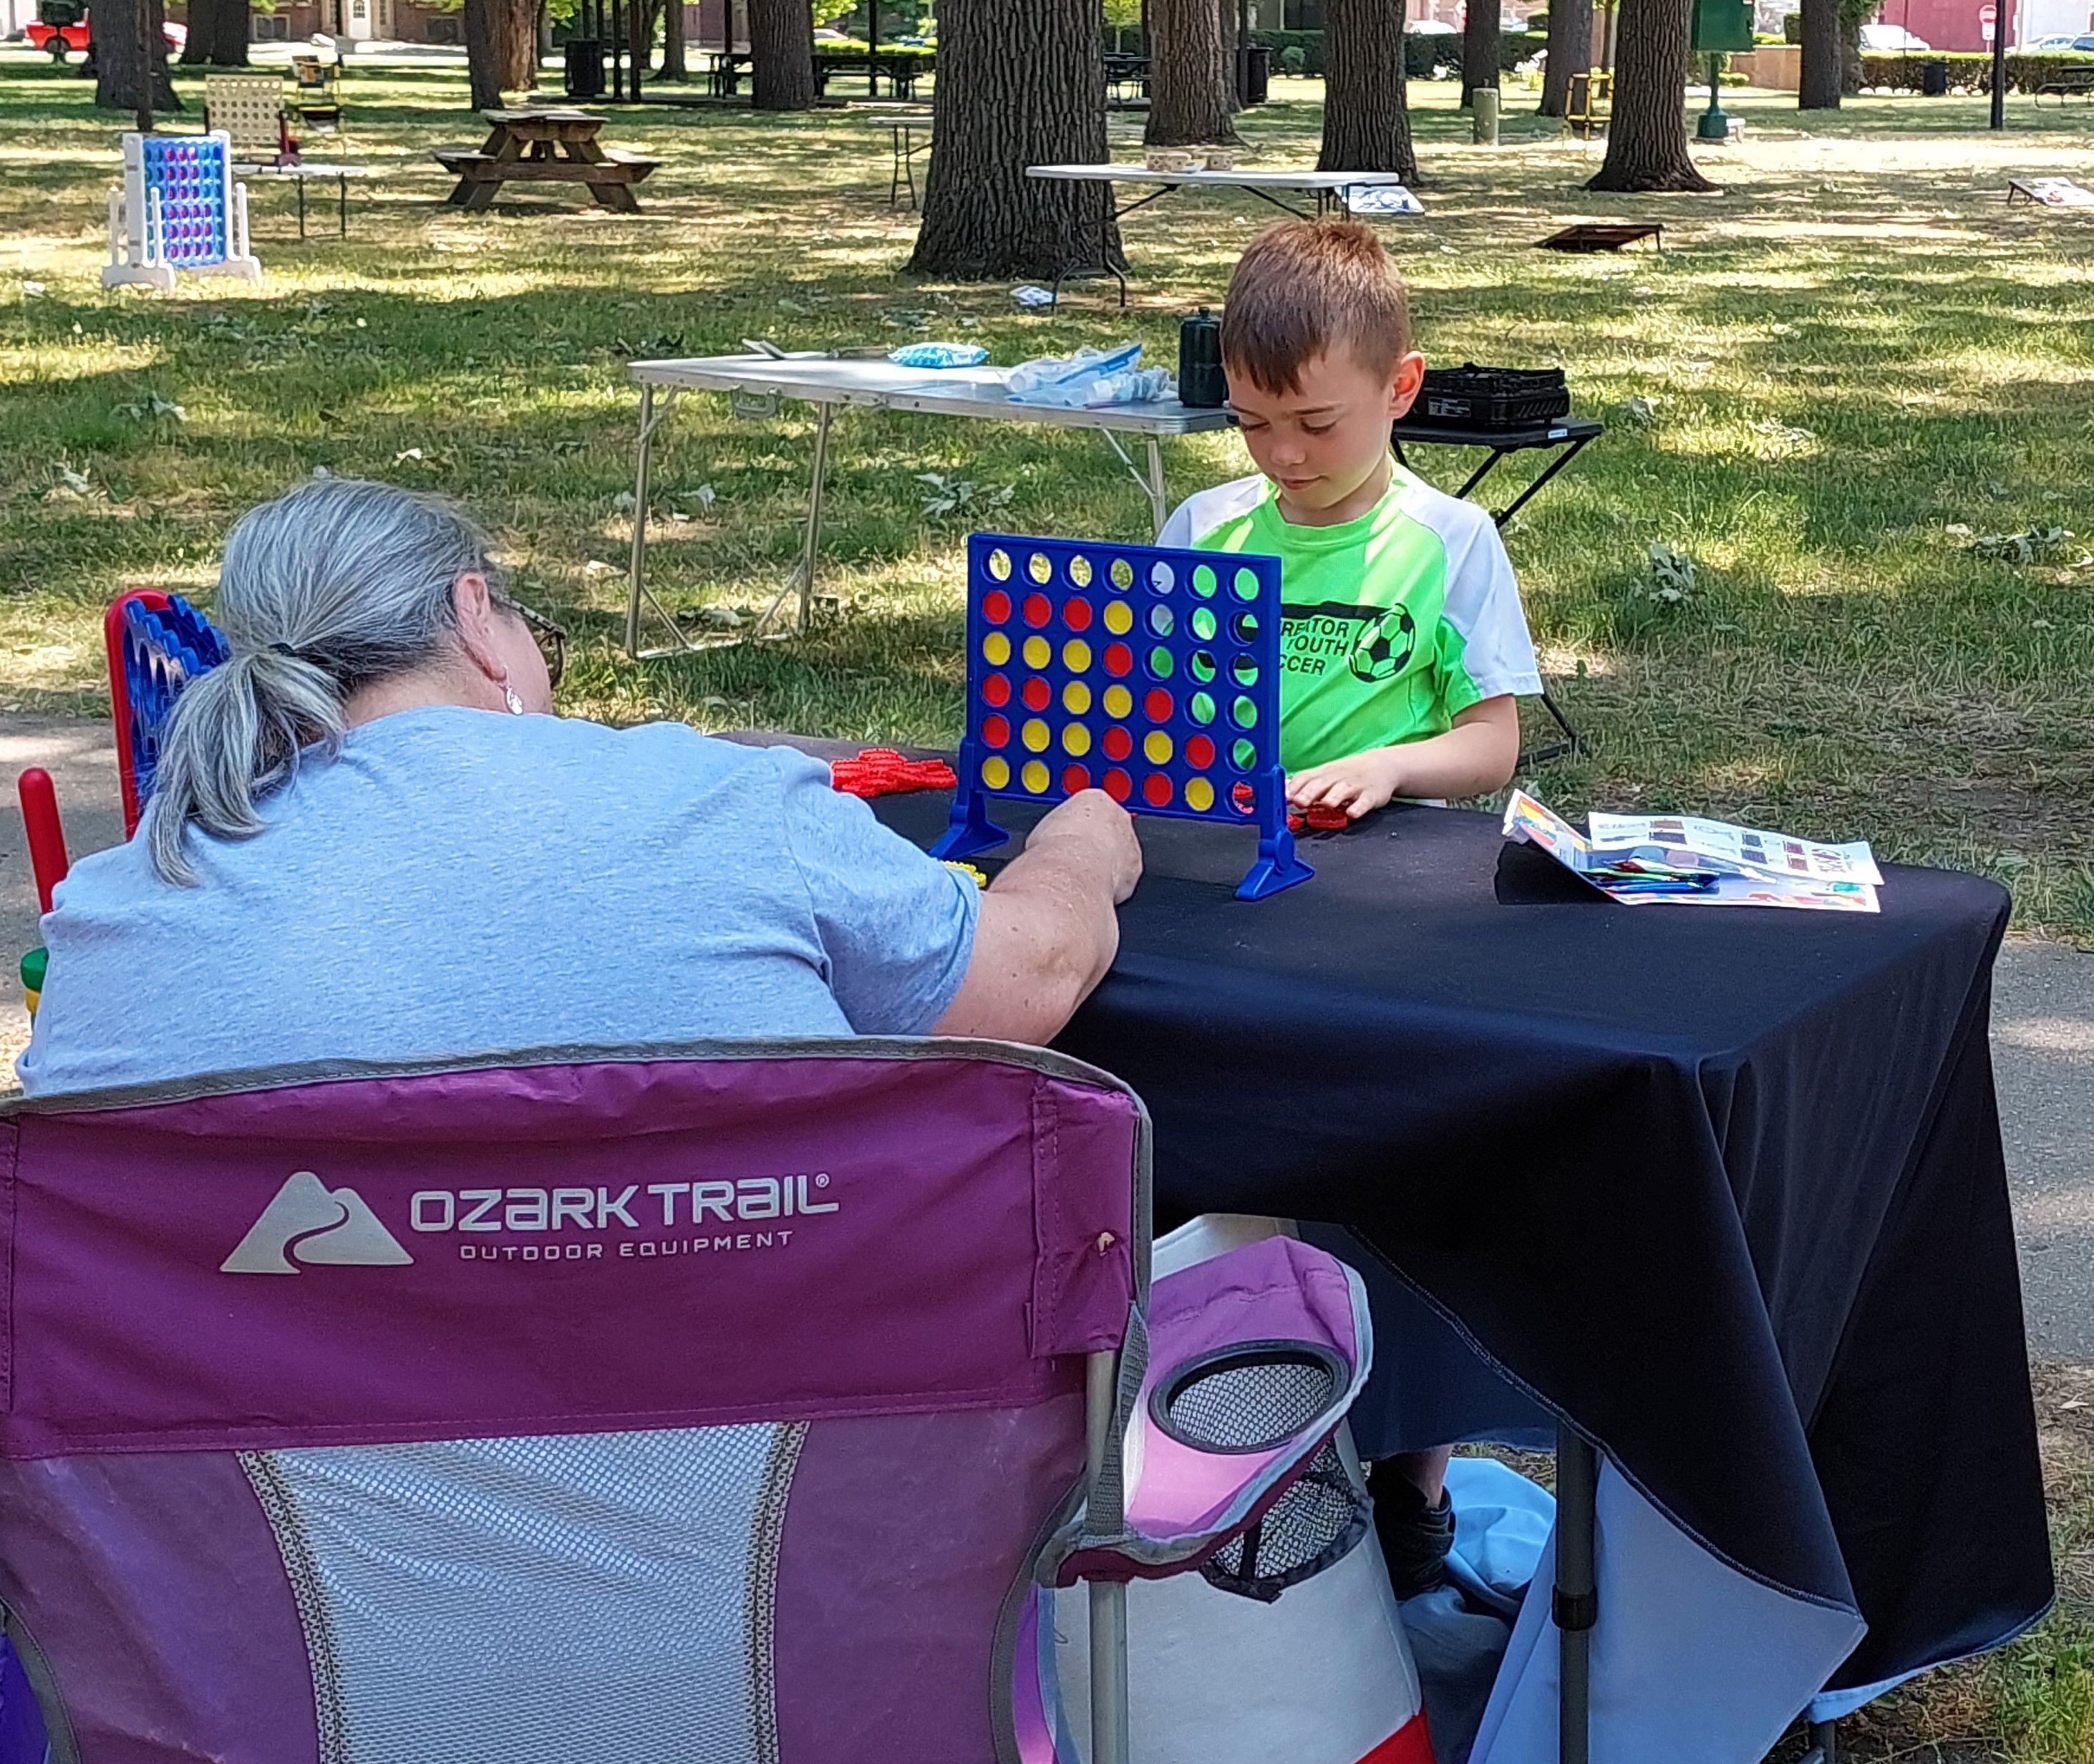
x: 996, y: 605
x: 1076, y: 613
x: 1036, y: 694
x: 996, y: 732
x: 1074, y: 778
x: 1156, y: 705
x: 996, y: 691
x: 1118, y: 785
x: 1199, y: 752
x: 1118, y: 743
x: 1037, y: 611
x: 1156, y: 789
x: 1119, y: 658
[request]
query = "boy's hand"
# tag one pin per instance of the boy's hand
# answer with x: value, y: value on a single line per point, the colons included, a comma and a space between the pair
x: 1359, y: 784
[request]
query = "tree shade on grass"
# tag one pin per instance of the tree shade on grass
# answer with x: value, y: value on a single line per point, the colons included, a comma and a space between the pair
x: 1647, y: 132
x: 1366, y: 121
x: 1189, y: 84
x: 1020, y: 82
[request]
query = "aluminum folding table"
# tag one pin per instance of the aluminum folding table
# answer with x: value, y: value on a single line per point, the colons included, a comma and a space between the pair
x: 830, y: 383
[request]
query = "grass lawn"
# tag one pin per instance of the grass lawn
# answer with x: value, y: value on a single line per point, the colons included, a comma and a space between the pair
x: 1853, y: 363
x: 1841, y: 373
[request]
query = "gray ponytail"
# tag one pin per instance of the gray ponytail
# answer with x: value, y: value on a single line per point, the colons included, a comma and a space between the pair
x: 334, y: 585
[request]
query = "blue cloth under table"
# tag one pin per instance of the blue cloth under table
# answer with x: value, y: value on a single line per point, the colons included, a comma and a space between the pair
x: 1723, y: 1187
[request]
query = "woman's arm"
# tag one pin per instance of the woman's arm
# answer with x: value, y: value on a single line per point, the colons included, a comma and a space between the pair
x: 1048, y: 930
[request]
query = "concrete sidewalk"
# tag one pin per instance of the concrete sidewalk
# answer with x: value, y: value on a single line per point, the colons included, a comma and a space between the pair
x: 2043, y: 1036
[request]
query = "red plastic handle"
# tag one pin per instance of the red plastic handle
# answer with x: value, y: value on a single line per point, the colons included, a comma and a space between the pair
x: 40, y: 821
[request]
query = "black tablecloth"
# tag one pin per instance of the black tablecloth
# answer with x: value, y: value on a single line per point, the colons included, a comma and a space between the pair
x: 1723, y: 1185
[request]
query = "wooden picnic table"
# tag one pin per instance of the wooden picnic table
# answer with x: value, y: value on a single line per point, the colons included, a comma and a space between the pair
x: 544, y: 146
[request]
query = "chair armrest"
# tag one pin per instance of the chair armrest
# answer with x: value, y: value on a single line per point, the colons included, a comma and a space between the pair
x: 1250, y: 1362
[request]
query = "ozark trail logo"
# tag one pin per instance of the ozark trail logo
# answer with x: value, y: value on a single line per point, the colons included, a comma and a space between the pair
x: 318, y: 1225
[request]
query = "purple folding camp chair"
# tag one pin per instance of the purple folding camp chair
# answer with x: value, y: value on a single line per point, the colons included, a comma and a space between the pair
x: 732, y: 1402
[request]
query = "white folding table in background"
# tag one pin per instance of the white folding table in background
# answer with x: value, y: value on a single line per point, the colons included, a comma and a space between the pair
x: 1332, y: 190
x: 829, y: 382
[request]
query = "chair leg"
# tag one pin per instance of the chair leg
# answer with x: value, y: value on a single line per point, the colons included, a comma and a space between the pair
x: 1824, y: 1744
x: 1576, y: 1602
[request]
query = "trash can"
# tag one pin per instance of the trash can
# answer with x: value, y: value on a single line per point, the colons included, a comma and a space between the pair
x: 1253, y: 73
x: 1934, y: 78
x: 584, y: 76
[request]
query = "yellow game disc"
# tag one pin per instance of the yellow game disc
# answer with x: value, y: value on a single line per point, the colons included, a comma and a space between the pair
x: 1037, y: 650
x: 1034, y: 777
x: 1076, y: 655
x: 980, y: 877
x: 996, y: 648
x: 996, y: 772
x: 1117, y: 700
x: 1199, y: 793
x: 1119, y: 618
x: 1034, y: 734
x: 1157, y: 745
x: 1075, y: 698
x: 1075, y: 738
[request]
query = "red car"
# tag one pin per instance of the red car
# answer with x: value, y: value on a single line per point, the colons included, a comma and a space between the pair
x: 57, y: 39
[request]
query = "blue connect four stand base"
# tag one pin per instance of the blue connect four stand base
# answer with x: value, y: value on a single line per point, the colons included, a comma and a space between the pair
x: 1149, y: 673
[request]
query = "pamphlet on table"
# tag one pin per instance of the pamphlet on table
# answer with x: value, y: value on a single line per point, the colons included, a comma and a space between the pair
x: 1640, y: 859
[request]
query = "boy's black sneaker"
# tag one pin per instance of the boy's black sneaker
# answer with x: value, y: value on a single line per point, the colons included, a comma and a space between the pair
x: 1414, y: 1538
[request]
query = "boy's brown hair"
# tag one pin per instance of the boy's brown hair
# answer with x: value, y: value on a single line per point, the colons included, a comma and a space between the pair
x: 1306, y: 287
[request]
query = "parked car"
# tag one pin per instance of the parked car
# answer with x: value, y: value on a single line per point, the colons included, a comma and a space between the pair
x: 1892, y: 40
x: 58, y: 40
x: 2046, y: 43
x: 2086, y: 42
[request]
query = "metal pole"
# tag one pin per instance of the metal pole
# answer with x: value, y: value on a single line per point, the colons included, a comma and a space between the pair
x: 1157, y: 499
x: 1109, y: 1698
x: 1577, y: 1600
x: 2000, y: 12
x: 814, y: 544
x: 639, y: 524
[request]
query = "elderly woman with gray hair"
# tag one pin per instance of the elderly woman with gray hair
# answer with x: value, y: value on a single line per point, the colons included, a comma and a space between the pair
x: 369, y: 837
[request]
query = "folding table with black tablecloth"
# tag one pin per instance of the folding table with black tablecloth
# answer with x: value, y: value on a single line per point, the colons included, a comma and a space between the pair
x: 1723, y: 1187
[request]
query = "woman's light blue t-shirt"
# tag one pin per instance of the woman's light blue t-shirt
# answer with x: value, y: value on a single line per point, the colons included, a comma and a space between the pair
x: 458, y: 880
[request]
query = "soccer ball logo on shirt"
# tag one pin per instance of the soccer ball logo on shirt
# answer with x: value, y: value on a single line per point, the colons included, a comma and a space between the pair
x: 1382, y: 648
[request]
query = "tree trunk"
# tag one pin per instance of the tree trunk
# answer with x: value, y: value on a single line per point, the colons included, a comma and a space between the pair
x: 483, y: 59
x: 1189, y: 81
x: 218, y: 34
x: 781, y: 47
x: 1569, y: 51
x: 1020, y: 83
x: 1480, y: 35
x: 1229, y: 33
x: 1850, y: 52
x: 639, y: 16
x: 673, y: 64
x: 1367, y: 126
x: 1819, y: 79
x: 516, y: 45
x: 1647, y: 134
x: 121, y: 73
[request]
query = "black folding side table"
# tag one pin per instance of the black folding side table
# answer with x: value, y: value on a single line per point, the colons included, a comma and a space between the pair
x: 1567, y: 437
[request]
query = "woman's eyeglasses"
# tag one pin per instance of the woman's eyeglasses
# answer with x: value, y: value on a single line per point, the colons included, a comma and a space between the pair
x: 551, y: 638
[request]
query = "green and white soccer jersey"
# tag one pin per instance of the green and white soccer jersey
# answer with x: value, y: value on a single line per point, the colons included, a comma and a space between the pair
x: 1391, y: 625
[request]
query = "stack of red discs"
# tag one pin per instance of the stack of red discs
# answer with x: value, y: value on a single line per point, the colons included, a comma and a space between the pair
x: 881, y: 771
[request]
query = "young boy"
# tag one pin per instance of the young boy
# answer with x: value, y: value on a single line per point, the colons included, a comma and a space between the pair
x: 1402, y: 642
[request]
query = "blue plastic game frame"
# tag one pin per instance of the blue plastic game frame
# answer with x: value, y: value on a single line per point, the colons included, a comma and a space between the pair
x: 164, y: 648
x: 188, y: 191
x: 1058, y: 629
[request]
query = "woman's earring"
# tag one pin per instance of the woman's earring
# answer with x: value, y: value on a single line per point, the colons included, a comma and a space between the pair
x: 509, y: 698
